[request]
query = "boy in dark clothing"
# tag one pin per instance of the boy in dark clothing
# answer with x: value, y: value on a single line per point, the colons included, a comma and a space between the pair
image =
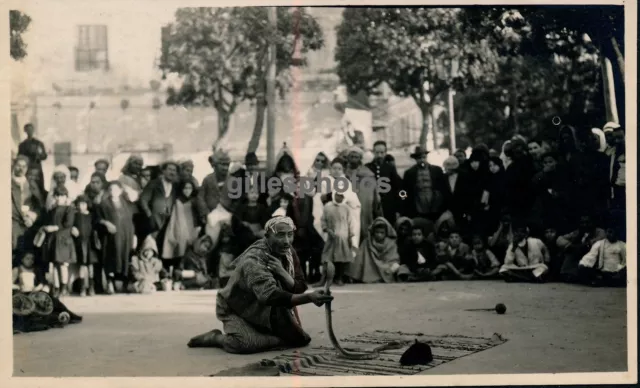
x: 417, y: 257
x: 487, y: 265
x: 459, y: 263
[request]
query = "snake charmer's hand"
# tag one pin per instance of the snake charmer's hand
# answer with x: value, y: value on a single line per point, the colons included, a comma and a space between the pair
x: 318, y: 297
x: 275, y: 265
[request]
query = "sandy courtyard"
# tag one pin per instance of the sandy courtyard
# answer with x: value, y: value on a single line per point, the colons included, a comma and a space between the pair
x: 550, y: 328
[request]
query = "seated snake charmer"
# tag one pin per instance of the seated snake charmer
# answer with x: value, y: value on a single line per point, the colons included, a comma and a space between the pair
x: 257, y: 307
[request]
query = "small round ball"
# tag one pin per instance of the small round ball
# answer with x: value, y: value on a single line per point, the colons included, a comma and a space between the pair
x: 501, y: 308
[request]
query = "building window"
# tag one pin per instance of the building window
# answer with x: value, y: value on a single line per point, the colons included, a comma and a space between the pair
x: 92, y: 52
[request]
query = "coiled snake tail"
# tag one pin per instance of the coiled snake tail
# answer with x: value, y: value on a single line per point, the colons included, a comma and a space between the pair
x: 370, y: 355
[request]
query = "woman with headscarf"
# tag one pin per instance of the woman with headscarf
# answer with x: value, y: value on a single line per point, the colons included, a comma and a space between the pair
x: 131, y: 181
x: 493, y: 196
x: 130, y: 177
x: 504, y: 155
x: 286, y: 170
x: 182, y: 227
x: 476, y: 180
x: 318, y: 171
x: 377, y: 260
x: 61, y: 177
x: 308, y: 243
x: 518, y: 175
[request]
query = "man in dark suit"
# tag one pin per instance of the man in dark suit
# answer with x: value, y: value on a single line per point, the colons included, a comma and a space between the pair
x: 383, y: 169
x: 157, y: 199
x: 423, y: 184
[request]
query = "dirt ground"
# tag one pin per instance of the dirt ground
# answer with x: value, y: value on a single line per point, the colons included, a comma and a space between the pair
x: 551, y: 328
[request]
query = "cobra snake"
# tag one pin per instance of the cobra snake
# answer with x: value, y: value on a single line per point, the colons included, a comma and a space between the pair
x: 367, y: 355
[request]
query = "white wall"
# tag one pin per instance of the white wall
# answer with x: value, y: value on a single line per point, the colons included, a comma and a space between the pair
x: 133, y: 33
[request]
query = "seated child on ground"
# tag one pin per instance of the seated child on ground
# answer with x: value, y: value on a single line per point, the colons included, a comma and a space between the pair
x: 377, y: 260
x: 403, y: 229
x: 146, y: 269
x: 487, y: 265
x: 417, y: 257
x: 459, y: 263
x: 192, y: 271
x: 428, y: 228
x: 526, y: 259
x: 606, y: 262
x: 25, y: 278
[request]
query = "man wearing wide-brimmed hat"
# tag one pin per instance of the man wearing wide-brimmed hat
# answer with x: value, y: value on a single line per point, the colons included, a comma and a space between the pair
x: 157, y: 199
x: 423, y: 184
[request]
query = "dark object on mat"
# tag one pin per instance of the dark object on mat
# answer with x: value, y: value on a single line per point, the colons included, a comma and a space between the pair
x: 266, y: 368
x: 418, y: 354
x: 501, y: 308
x: 38, y: 311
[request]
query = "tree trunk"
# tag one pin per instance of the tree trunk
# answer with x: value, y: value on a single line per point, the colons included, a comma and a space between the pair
x: 261, y: 107
x: 609, y: 90
x: 514, y: 110
x: 434, y: 127
x: 426, y: 121
x: 223, y: 126
x: 619, y: 56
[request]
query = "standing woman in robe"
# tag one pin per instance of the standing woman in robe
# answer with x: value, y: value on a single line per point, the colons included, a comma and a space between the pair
x: 181, y: 230
x: 115, y: 218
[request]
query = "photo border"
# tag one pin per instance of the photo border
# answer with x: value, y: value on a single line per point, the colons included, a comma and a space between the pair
x: 631, y: 376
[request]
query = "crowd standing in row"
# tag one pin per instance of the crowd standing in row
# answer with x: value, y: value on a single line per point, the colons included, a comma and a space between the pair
x: 548, y: 209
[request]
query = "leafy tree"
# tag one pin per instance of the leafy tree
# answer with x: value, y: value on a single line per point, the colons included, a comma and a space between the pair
x: 18, y: 24
x: 221, y: 55
x: 554, y: 36
x: 418, y: 52
x: 207, y: 47
x: 294, y: 27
